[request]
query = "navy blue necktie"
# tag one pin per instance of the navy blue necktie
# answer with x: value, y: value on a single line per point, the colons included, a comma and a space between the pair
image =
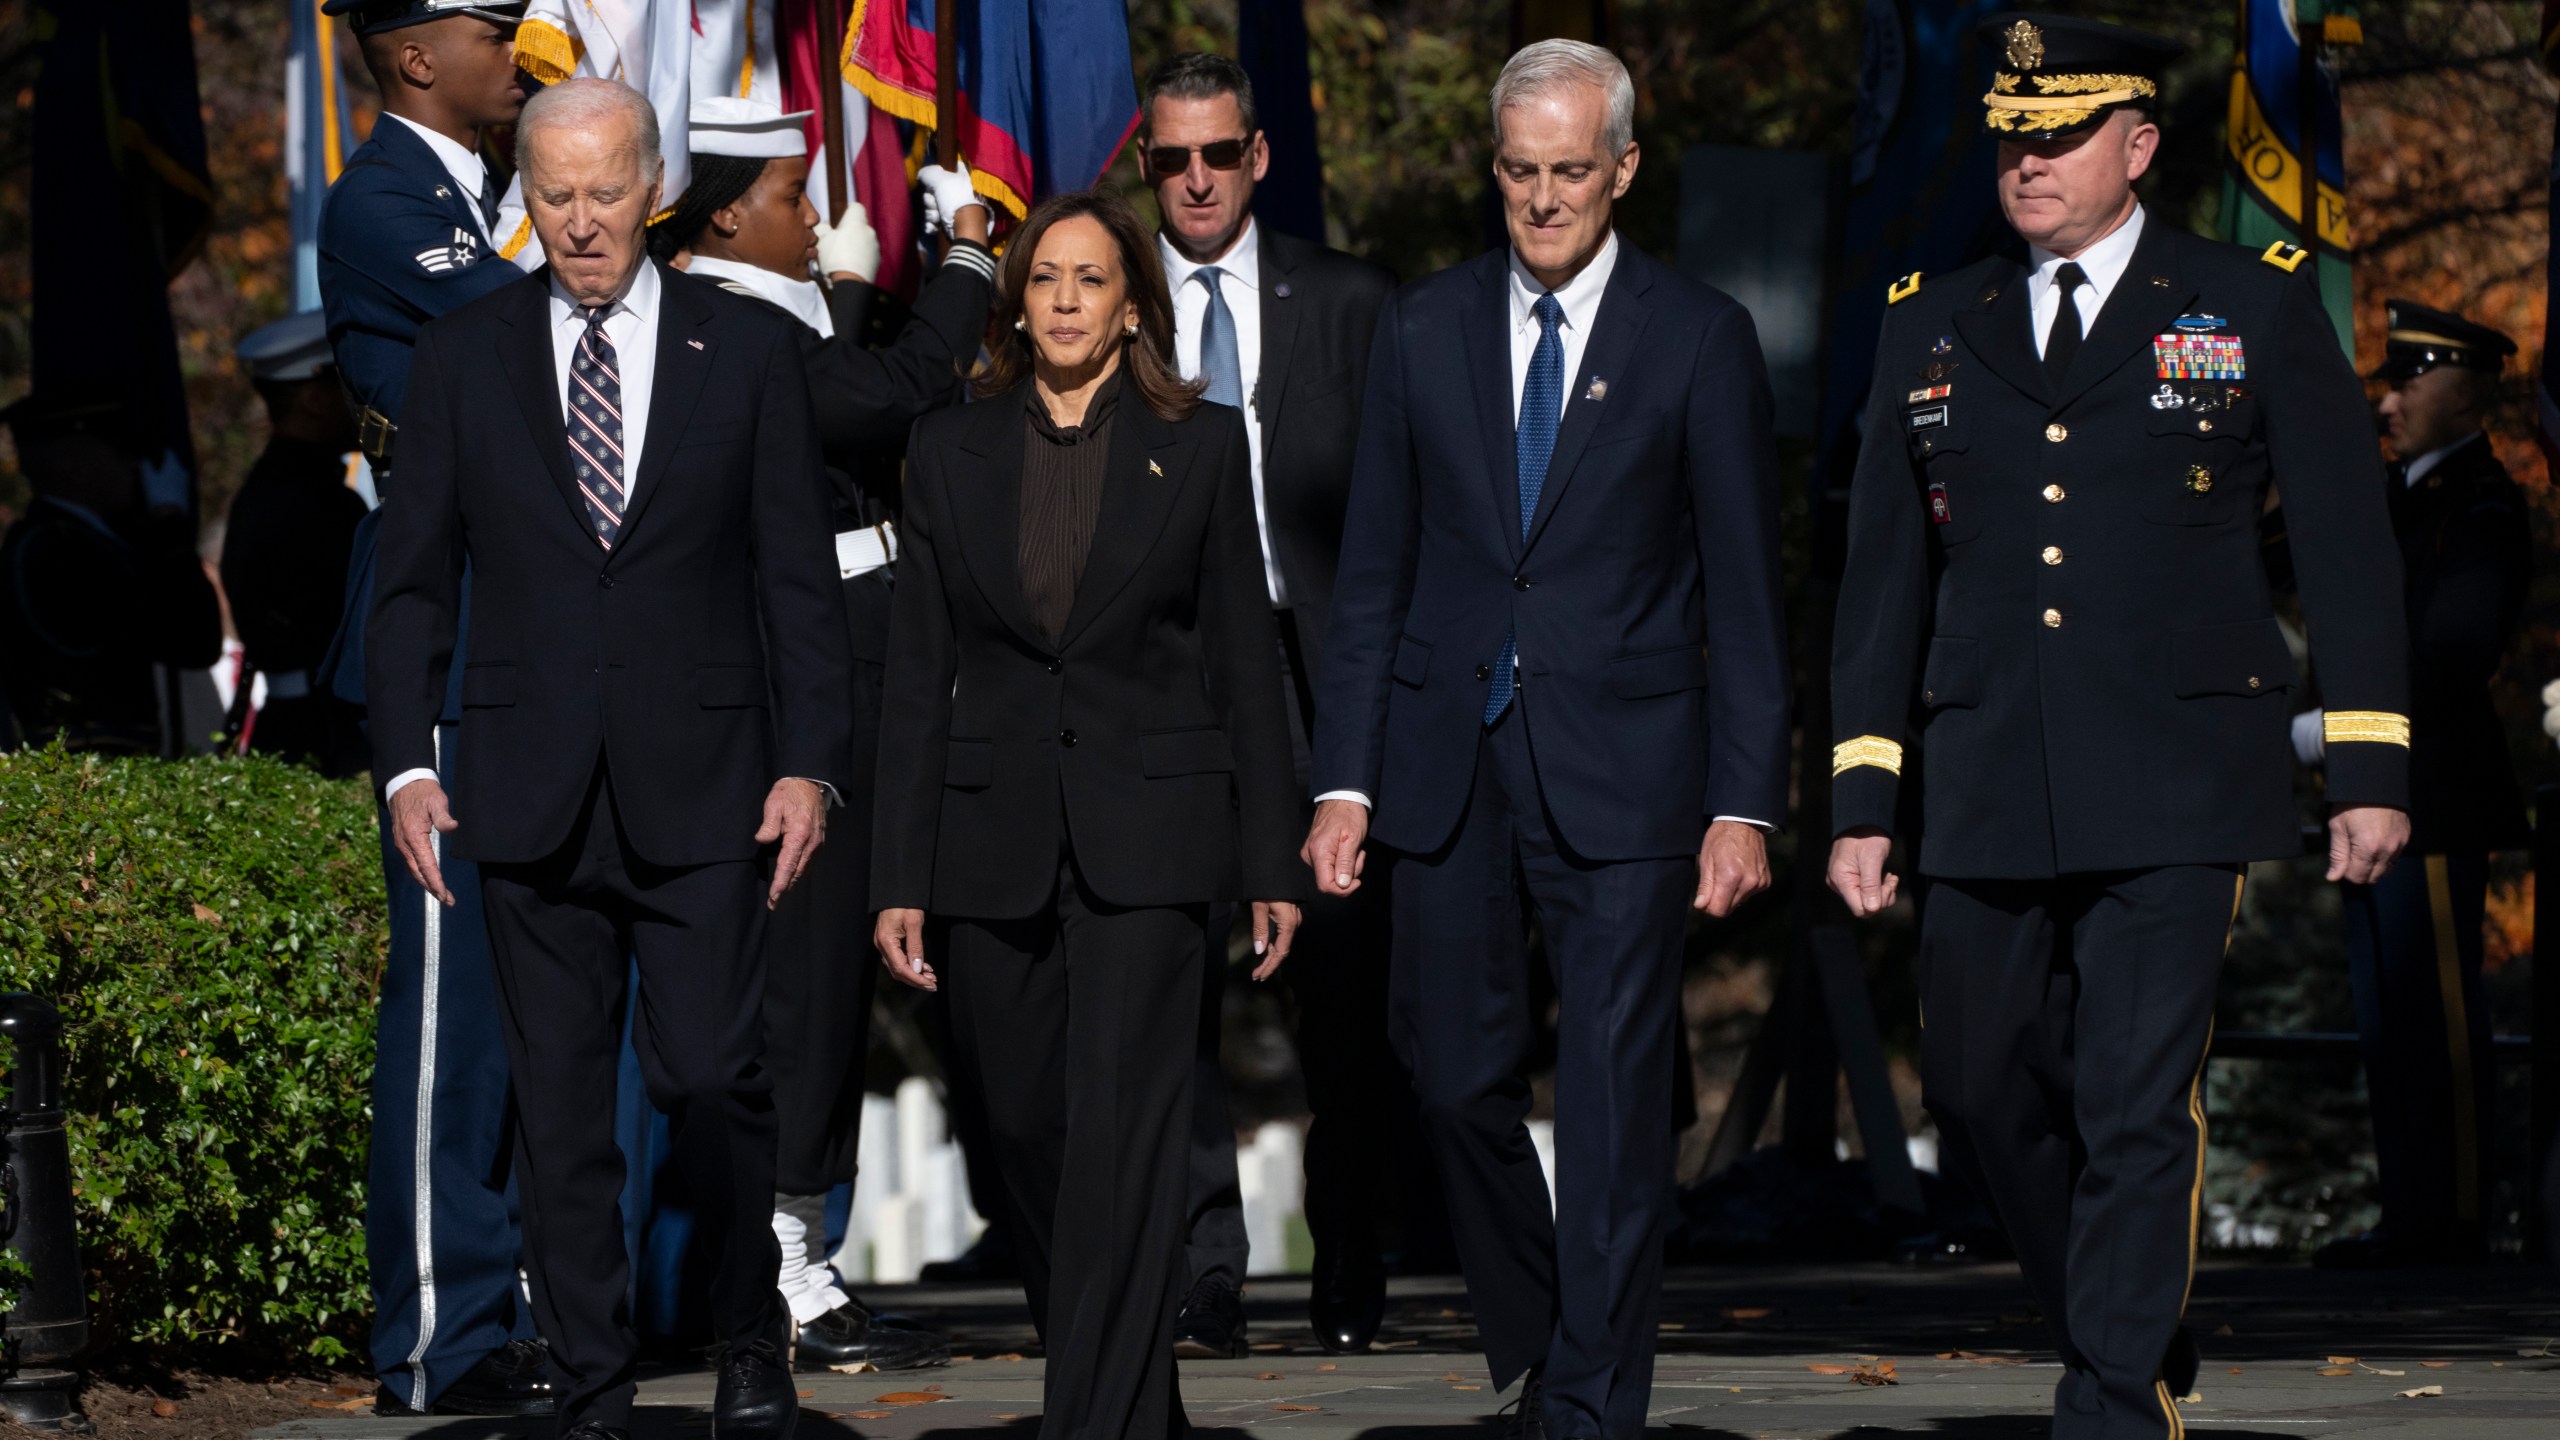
x: 1541, y: 407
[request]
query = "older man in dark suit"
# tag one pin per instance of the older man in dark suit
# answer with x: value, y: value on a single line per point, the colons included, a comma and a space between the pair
x: 654, y: 698
x: 1556, y: 684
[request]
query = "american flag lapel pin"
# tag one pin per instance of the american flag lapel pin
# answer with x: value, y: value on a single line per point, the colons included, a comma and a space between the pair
x: 1599, y: 390
x: 1154, y: 469
x: 696, y: 344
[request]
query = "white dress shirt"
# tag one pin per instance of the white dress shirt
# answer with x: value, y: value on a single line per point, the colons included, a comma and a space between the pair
x: 461, y: 162
x: 803, y: 298
x: 2418, y: 468
x: 1240, y: 281
x: 2103, y: 263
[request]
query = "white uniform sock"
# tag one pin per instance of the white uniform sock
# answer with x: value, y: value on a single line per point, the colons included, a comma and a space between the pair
x: 800, y: 1223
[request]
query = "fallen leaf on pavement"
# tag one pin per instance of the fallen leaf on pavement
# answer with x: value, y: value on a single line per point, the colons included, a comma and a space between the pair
x: 1269, y: 1346
x: 1453, y: 1377
x: 858, y: 1367
x: 872, y: 1414
x: 1004, y: 1417
x: 2423, y: 1392
x: 1328, y: 1366
x: 1303, y: 1409
x: 1749, y: 1312
x: 1012, y: 1356
x: 350, y: 1406
x: 2435, y: 1364
x: 2378, y: 1370
x: 808, y: 1394
x: 907, y: 1397
x: 2224, y: 1329
x: 2337, y: 1370
x: 1466, y: 1387
x: 2342, y: 1360
x: 1828, y: 1369
x: 1268, y: 1375
x: 2235, y: 1369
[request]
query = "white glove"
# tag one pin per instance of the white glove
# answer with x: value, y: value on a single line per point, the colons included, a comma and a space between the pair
x: 850, y: 246
x: 2311, y: 737
x: 946, y: 194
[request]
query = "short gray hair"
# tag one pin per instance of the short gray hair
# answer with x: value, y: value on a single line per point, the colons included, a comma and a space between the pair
x: 586, y: 103
x: 1552, y: 65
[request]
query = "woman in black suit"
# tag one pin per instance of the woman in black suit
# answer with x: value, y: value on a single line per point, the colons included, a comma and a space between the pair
x: 1082, y: 748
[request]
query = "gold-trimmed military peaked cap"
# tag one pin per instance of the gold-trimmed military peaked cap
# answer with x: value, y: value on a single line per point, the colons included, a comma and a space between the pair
x: 2420, y: 339
x: 2056, y: 75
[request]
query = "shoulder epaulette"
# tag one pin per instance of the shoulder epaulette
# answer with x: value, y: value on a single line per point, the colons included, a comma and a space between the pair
x: 2284, y: 257
x: 1903, y: 289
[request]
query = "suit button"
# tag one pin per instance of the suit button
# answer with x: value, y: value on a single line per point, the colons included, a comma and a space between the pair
x: 2057, y: 432
x: 1929, y: 697
x: 1053, y: 667
x: 1484, y: 672
x: 604, y: 582
x: 2053, y: 554
x: 1519, y: 582
x: 2205, y: 425
x: 2053, y: 619
x: 1067, y: 738
x: 2253, y: 682
x: 2053, y: 494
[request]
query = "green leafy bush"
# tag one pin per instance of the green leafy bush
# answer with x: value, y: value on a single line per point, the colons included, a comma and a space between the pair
x: 213, y: 932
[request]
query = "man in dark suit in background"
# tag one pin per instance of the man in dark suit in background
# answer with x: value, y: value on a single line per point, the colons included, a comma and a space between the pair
x: 656, y: 694
x: 1280, y: 328
x: 1560, y: 565
x: 2414, y: 936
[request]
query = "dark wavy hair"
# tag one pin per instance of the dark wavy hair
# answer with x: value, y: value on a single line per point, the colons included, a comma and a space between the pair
x: 1146, y: 358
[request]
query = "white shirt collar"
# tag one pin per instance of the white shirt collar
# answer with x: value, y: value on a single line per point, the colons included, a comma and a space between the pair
x: 2418, y: 468
x: 460, y: 161
x: 639, y: 298
x: 802, y: 298
x: 1242, y: 262
x: 2104, y: 263
x: 1580, y: 296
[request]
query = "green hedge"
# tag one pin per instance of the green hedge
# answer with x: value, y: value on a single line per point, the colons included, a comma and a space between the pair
x: 213, y: 931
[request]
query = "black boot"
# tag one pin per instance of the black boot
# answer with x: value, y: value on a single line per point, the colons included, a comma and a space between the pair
x: 755, y: 1399
x: 850, y: 1338
x: 1529, y: 1412
x: 1347, y: 1299
x: 1211, y: 1325
x: 514, y: 1379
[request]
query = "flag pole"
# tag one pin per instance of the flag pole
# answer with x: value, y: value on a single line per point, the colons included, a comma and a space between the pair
x: 2306, y: 39
x: 946, y: 83
x: 831, y: 108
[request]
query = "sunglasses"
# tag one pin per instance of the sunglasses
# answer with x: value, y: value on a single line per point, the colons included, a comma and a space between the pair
x: 1217, y: 155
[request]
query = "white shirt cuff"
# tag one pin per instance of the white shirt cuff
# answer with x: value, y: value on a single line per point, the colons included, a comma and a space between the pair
x: 834, y: 800
x: 1354, y: 796
x: 1763, y: 826
x: 403, y: 778
x: 2311, y: 737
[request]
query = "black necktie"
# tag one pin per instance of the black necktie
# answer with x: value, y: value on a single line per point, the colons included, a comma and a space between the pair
x: 488, y: 202
x: 2064, y: 342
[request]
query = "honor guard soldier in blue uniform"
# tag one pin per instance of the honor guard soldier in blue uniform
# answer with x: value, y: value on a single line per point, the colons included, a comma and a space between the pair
x: 404, y: 238
x: 745, y: 224
x: 2057, y: 629
x: 2414, y: 938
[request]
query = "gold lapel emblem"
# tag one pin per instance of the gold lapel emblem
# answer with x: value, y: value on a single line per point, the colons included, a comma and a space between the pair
x: 1599, y: 391
x: 1154, y: 469
x: 2026, y: 45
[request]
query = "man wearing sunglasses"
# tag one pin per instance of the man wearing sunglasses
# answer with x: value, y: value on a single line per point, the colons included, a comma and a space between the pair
x: 1279, y: 327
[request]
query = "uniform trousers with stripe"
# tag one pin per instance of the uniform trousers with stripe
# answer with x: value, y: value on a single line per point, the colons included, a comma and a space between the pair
x: 441, y: 1229
x: 565, y: 931
x: 2413, y: 954
x: 2064, y: 1029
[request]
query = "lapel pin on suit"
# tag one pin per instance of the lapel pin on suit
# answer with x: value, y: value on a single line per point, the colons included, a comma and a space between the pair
x: 1599, y: 390
x: 696, y: 344
x: 1154, y: 469
x: 1281, y: 289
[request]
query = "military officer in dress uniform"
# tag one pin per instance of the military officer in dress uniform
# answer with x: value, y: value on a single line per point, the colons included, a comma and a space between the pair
x: 2055, y: 608
x: 404, y: 238
x: 286, y: 542
x: 2414, y: 938
x: 745, y: 223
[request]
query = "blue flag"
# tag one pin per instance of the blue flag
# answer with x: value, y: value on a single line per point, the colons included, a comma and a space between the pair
x: 316, y: 131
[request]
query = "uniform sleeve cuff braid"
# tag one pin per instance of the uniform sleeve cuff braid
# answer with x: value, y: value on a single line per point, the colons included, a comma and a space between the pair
x: 1873, y: 750
x: 2376, y: 727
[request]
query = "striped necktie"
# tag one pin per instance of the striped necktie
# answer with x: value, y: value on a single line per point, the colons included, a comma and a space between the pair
x: 595, y: 428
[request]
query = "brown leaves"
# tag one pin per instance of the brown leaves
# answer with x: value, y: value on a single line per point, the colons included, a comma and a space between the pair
x: 1980, y: 1359
x: 1328, y: 1366
x: 1875, y: 1372
x: 1299, y: 1409
x: 2435, y: 1364
x: 1748, y: 1312
x: 207, y: 914
x: 1268, y: 1375
x: 908, y: 1397
x: 2423, y: 1392
x: 165, y: 1409
x: 873, y: 1414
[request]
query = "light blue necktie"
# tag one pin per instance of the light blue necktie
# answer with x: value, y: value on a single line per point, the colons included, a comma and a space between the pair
x: 1218, y: 343
x: 1541, y: 406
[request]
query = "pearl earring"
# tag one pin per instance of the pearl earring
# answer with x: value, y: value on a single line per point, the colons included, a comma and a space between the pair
x: 1132, y: 330
x: 1018, y: 325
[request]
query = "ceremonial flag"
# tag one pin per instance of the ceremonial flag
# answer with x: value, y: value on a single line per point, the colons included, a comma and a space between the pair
x: 1271, y: 43
x: 733, y: 50
x: 1921, y: 190
x: 1046, y: 97
x: 874, y: 155
x: 316, y: 139
x: 2278, y: 88
x: 120, y: 199
x: 645, y: 44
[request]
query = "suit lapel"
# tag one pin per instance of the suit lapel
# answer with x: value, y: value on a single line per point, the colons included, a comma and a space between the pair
x: 1147, y: 468
x: 685, y: 352
x: 526, y: 356
x: 2148, y: 296
x: 1614, y: 330
x: 1487, y: 357
x: 986, y: 509
x: 1279, y: 341
x: 1999, y: 329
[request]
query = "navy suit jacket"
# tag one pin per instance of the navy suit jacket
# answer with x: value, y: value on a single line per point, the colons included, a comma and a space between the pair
x: 1646, y: 595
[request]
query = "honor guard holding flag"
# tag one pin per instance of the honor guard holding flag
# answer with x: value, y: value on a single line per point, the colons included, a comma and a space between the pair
x: 2057, y: 628
x: 404, y: 238
x: 747, y: 225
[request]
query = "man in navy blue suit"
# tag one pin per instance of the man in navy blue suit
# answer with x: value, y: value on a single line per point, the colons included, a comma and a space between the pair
x: 405, y: 237
x: 1556, y: 686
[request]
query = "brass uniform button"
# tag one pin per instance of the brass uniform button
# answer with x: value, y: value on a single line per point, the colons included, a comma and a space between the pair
x: 2053, y: 494
x: 2057, y: 432
x: 2253, y: 682
x: 2053, y: 554
x: 2053, y: 619
x: 1929, y: 697
x: 2204, y: 425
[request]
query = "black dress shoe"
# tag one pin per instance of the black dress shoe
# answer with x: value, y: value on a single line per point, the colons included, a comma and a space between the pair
x: 755, y: 1399
x: 2178, y: 1367
x: 849, y: 1338
x: 1346, y: 1301
x: 1529, y: 1412
x: 514, y: 1379
x: 592, y: 1430
x: 1211, y: 1325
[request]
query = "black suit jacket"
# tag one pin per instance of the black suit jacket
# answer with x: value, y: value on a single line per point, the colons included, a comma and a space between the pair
x: 2466, y: 545
x: 1150, y: 739
x: 704, y: 657
x: 1646, y: 597
x: 1319, y: 320
x: 2057, y: 591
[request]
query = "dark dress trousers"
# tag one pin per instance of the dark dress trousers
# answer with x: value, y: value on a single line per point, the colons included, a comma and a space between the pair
x: 2054, y: 593
x: 819, y: 966
x: 2414, y: 940
x: 1076, y: 761
x: 625, y: 713
x: 1653, y: 696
